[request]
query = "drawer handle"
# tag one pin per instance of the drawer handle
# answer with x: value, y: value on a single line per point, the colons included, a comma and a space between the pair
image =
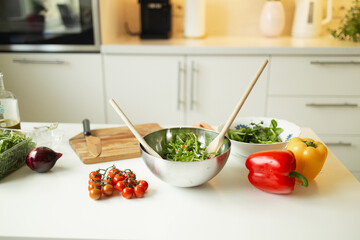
x: 180, y: 71
x: 340, y: 143
x: 331, y: 104
x: 34, y: 61
x: 192, y: 82
x: 334, y: 62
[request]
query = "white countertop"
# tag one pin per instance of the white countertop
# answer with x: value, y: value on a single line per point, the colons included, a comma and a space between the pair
x: 56, y: 204
x: 326, y: 45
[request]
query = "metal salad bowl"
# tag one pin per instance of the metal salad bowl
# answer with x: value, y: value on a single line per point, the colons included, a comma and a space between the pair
x: 184, y: 174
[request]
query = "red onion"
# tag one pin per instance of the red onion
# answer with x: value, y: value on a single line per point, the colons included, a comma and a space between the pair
x: 42, y: 159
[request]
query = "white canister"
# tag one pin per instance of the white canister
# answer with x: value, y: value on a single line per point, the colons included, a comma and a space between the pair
x: 195, y: 13
x: 272, y: 19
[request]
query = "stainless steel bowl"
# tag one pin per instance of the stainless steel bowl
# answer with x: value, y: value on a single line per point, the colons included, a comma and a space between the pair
x: 184, y: 174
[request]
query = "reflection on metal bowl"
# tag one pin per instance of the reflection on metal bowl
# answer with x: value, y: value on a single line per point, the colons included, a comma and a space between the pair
x: 184, y: 174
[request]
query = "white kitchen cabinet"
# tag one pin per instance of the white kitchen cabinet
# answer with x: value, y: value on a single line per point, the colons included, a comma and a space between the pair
x: 323, y: 93
x: 215, y: 84
x: 182, y: 90
x: 147, y: 88
x: 348, y: 148
x: 55, y: 87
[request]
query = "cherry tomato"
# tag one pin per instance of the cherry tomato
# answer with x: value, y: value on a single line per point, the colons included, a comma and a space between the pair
x: 120, y: 186
x: 130, y: 182
x: 143, y: 184
x: 109, y: 180
x: 130, y: 174
x: 94, y: 184
x: 127, y: 192
x: 113, y: 172
x: 118, y: 178
x: 94, y: 175
x: 108, y: 189
x: 139, y: 191
x: 94, y: 180
x: 95, y: 193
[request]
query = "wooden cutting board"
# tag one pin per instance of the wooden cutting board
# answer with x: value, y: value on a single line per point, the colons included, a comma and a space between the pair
x: 117, y: 143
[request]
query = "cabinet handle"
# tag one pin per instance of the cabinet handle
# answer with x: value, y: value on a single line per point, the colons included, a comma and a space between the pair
x: 331, y: 104
x: 340, y: 143
x: 179, y: 101
x: 334, y: 62
x: 192, y: 93
x: 35, y: 61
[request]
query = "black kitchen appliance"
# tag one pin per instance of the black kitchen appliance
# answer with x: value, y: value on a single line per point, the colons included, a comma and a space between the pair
x: 155, y: 19
x: 49, y: 26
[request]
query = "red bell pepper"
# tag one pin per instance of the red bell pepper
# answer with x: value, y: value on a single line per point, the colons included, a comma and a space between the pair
x: 273, y: 171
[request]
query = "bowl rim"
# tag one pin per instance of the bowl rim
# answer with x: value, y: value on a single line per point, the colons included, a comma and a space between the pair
x: 185, y: 127
x: 262, y: 118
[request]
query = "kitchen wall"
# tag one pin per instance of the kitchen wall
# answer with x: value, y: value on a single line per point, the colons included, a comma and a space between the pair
x: 232, y: 18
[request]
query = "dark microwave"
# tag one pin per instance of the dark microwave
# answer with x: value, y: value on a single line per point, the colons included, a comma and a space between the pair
x: 49, y: 26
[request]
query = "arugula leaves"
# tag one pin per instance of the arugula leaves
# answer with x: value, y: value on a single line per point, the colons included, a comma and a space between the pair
x: 256, y: 133
x: 184, y: 147
x: 8, y: 139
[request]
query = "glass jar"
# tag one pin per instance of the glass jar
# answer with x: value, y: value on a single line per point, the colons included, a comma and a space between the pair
x: 9, y: 108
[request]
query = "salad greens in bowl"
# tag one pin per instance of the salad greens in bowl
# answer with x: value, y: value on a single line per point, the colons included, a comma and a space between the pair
x: 255, y: 134
x: 184, y: 162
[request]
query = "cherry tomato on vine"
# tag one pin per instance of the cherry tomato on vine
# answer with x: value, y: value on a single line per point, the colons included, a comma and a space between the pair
x: 143, y: 184
x: 95, y: 193
x: 127, y: 192
x: 129, y: 174
x: 94, y: 180
x: 118, y: 178
x: 94, y: 184
x: 130, y: 182
x: 113, y: 172
x: 120, y: 186
x: 109, y: 180
x: 139, y: 191
x: 108, y: 189
x: 94, y: 175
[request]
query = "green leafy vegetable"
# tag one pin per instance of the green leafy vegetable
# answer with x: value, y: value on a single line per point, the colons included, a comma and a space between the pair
x: 184, y: 147
x: 8, y: 139
x: 256, y: 133
x: 19, y: 146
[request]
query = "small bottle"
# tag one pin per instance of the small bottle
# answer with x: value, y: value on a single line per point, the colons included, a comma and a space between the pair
x: 9, y: 108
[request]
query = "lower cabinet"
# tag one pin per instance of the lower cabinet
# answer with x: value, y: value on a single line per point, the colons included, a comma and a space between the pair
x: 55, y: 87
x: 347, y: 149
x: 322, y: 93
x: 183, y: 90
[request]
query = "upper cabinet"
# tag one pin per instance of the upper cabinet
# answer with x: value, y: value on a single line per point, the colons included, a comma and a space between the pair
x: 55, y: 87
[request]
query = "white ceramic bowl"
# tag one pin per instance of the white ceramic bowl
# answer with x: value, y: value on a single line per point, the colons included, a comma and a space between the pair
x: 243, y: 150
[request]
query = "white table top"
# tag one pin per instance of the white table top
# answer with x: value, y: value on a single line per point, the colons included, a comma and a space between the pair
x: 56, y: 204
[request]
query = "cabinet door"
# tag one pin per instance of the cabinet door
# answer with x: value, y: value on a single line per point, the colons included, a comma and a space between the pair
x: 324, y: 115
x: 215, y: 84
x: 147, y: 88
x: 55, y: 87
x: 314, y: 76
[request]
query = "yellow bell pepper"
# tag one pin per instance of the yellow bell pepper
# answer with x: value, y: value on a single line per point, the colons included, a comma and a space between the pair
x: 310, y: 156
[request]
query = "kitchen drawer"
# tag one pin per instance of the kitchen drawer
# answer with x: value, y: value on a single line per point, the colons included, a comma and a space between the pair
x: 325, y: 76
x: 55, y: 87
x: 323, y: 115
x: 346, y: 148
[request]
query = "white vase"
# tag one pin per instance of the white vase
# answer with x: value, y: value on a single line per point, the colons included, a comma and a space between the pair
x: 272, y: 19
